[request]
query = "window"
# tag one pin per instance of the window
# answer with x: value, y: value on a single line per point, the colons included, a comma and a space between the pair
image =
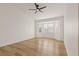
x: 47, y: 27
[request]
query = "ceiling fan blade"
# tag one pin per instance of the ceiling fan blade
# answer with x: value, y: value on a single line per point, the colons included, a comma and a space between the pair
x: 43, y: 7
x: 36, y: 5
x: 40, y: 10
x: 32, y: 9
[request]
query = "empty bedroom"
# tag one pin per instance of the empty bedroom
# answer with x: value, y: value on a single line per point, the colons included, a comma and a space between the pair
x: 39, y: 29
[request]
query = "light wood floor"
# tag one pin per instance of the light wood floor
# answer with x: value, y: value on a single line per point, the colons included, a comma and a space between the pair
x: 35, y: 47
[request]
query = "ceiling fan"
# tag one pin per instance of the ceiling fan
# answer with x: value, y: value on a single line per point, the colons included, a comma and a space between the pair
x: 38, y: 9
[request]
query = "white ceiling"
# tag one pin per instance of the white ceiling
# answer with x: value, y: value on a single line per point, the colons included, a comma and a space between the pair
x: 52, y: 10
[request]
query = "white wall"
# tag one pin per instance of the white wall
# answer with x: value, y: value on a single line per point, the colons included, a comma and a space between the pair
x: 71, y: 29
x: 15, y: 25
